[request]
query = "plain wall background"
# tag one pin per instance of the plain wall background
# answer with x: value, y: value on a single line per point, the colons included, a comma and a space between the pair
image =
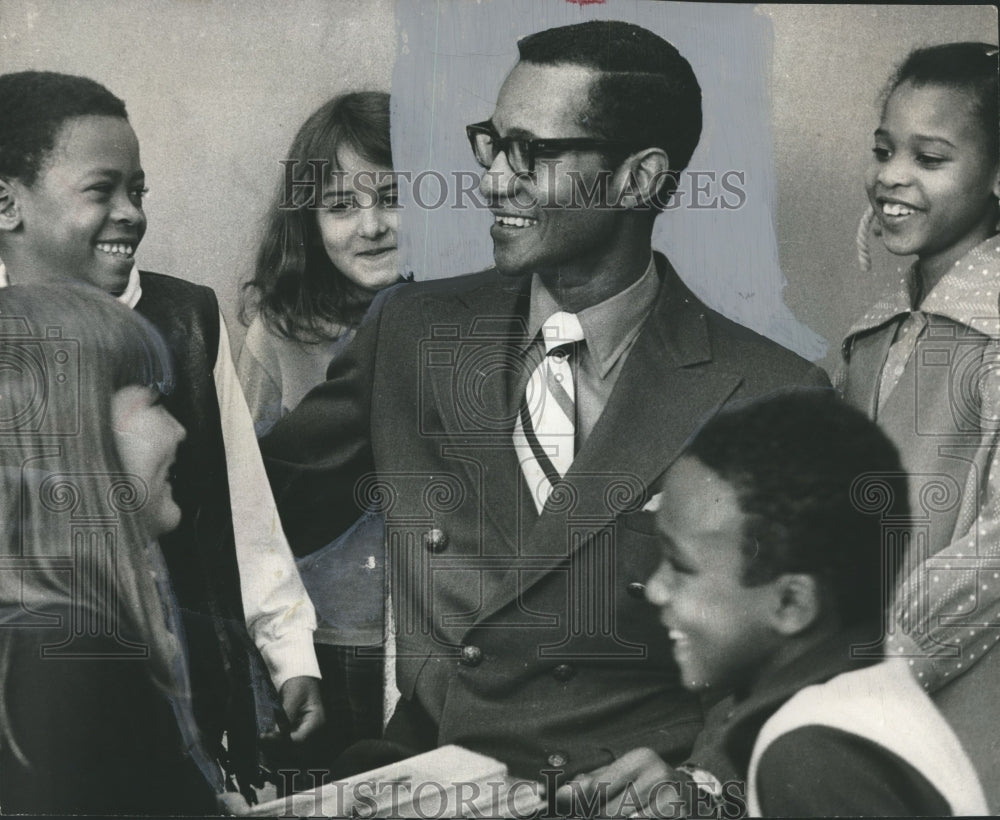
x: 217, y: 88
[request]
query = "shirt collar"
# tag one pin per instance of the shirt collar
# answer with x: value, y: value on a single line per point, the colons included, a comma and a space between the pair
x: 967, y: 294
x: 609, y: 326
x: 130, y: 296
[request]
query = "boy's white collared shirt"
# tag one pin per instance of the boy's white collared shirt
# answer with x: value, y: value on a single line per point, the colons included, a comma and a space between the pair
x: 129, y: 296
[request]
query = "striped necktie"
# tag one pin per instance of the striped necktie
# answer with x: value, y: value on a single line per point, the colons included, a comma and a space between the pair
x: 545, y: 430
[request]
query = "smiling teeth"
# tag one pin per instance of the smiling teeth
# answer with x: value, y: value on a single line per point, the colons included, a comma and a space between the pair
x: 516, y: 221
x: 116, y: 249
x: 895, y: 209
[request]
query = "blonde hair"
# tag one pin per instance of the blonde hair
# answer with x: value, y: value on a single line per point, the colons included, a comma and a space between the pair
x: 64, y: 352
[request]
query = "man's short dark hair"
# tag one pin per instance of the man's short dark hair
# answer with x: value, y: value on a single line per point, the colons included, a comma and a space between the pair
x: 646, y: 92
x: 812, y: 475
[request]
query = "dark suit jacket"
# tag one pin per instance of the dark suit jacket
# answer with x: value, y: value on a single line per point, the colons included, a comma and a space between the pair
x: 522, y: 636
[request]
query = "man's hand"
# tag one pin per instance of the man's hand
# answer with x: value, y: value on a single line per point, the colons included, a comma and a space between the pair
x: 300, y: 698
x: 638, y: 784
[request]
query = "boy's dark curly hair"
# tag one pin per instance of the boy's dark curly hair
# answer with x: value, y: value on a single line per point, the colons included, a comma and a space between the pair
x: 33, y: 107
x: 814, y: 477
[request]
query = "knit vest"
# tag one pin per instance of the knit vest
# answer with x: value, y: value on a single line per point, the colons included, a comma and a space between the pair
x: 882, y: 704
x: 201, y: 554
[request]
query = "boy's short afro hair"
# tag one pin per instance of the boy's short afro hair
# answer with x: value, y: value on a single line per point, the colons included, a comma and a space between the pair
x: 33, y: 107
x: 815, y: 478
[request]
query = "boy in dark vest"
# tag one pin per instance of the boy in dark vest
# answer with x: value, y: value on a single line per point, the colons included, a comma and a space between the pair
x: 71, y: 189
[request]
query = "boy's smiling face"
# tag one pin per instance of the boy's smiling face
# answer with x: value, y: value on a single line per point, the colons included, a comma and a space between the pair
x: 721, y: 629
x: 82, y: 218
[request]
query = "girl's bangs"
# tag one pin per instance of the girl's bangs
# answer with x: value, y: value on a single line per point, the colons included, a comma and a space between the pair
x: 147, y: 360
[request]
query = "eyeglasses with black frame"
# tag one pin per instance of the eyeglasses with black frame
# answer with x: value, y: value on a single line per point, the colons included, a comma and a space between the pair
x: 522, y: 151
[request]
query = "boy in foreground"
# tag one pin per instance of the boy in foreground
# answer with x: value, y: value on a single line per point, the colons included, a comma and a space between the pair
x: 773, y: 583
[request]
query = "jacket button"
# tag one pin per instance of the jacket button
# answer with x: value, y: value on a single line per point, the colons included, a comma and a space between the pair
x: 558, y: 760
x: 471, y: 656
x: 435, y: 540
x: 637, y: 590
x: 563, y: 672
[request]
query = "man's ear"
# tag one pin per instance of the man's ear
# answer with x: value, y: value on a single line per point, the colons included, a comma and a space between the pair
x: 10, y: 211
x: 642, y: 175
x: 798, y: 603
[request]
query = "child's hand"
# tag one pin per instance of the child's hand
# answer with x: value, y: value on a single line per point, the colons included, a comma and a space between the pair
x: 638, y: 784
x: 301, y: 700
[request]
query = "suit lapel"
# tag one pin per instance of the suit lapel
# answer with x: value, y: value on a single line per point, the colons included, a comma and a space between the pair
x: 472, y: 355
x: 661, y: 394
x: 667, y: 387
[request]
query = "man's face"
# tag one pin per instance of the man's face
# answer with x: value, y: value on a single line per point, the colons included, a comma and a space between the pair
x: 541, y: 225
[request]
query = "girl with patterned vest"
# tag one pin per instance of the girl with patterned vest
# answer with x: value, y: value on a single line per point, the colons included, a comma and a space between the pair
x: 924, y: 362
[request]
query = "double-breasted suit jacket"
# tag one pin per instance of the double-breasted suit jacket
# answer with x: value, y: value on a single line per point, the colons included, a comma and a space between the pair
x: 522, y: 635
